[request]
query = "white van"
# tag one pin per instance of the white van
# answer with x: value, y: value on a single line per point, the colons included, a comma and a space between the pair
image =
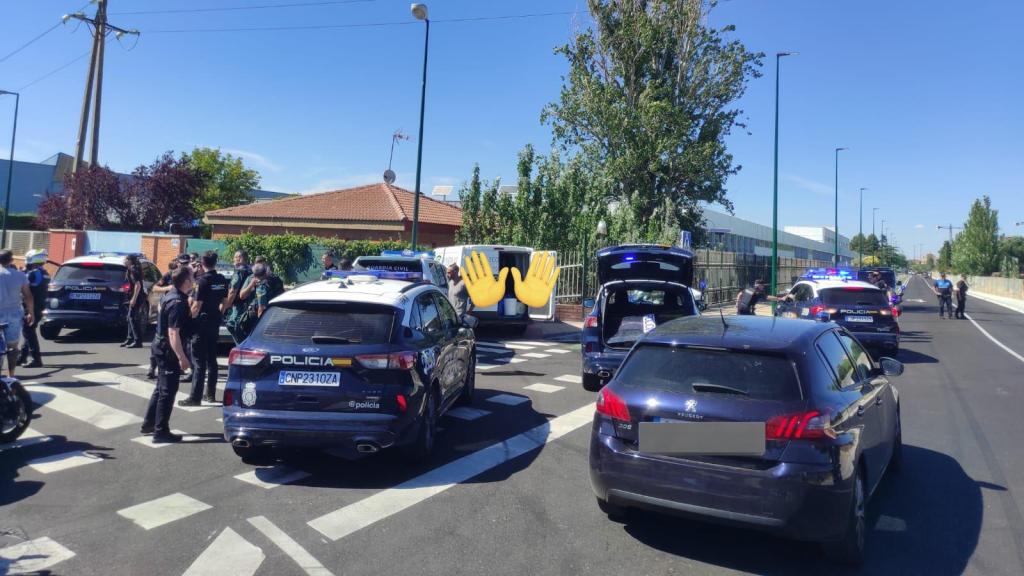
x: 509, y: 312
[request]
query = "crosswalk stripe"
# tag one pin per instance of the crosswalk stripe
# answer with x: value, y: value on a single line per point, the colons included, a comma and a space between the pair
x: 229, y: 553
x: 33, y: 556
x: 557, y: 351
x: 492, y: 350
x: 467, y: 413
x: 354, y: 517
x: 163, y: 510
x: 80, y: 407
x: 272, y: 477
x: 508, y: 399
x: 486, y: 366
x: 529, y: 343
x: 546, y: 388
x: 29, y: 437
x: 518, y: 346
x: 148, y: 440
x: 58, y: 462
x: 536, y: 355
x: 570, y: 378
x: 132, y: 386
x: 289, y: 546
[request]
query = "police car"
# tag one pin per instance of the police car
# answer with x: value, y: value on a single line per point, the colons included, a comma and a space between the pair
x: 834, y: 295
x: 422, y: 263
x: 363, y: 360
x: 93, y: 292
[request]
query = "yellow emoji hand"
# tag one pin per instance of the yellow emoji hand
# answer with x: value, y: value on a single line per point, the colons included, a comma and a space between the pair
x: 483, y: 289
x: 535, y: 290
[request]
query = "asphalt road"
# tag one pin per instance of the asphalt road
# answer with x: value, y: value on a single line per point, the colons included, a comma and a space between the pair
x: 509, y: 490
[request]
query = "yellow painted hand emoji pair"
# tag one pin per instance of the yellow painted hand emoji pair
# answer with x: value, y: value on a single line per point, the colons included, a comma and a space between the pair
x: 534, y: 291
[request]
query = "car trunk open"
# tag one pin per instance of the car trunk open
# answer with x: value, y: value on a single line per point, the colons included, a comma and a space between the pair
x: 645, y: 262
x: 633, y: 308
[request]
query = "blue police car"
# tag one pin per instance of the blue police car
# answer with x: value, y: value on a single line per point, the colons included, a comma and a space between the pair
x: 364, y: 359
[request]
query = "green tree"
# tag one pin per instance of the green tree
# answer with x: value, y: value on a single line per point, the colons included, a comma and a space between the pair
x: 945, y: 262
x: 872, y: 245
x: 1012, y: 248
x: 226, y: 180
x: 489, y: 220
x: 525, y: 224
x: 469, y: 195
x: 509, y: 227
x: 857, y: 243
x: 649, y: 100
x: 929, y: 261
x: 976, y: 250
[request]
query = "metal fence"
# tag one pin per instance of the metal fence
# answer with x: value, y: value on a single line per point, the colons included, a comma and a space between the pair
x: 21, y: 241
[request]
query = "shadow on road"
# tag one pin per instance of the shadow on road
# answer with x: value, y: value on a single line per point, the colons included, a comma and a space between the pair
x: 908, y: 356
x: 926, y: 520
x: 915, y: 336
x: 13, y: 459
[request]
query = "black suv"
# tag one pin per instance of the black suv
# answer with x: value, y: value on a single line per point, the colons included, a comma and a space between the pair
x: 92, y: 292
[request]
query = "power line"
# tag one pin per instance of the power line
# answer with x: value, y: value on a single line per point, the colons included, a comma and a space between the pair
x: 32, y: 41
x: 54, y: 71
x: 360, y: 25
x: 235, y: 8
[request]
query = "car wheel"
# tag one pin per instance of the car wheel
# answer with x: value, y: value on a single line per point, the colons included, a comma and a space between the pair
x: 49, y: 331
x: 591, y: 383
x: 850, y: 549
x: 17, y: 418
x: 896, y: 461
x: 469, y: 386
x: 423, y: 447
x: 252, y: 454
x: 614, y: 512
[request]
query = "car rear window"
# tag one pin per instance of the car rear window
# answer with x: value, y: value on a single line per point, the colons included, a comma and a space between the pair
x: 390, y: 265
x: 310, y: 323
x: 99, y: 273
x: 853, y: 296
x: 685, y: 370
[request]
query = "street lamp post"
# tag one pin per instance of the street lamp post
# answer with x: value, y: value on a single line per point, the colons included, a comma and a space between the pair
x: 835, y: 256
x: 860, y: 213
x: 775, y: 182
x: 10, y: 166
x: 420, y: 12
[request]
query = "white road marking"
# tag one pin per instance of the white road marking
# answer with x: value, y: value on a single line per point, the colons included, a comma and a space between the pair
x: 132, y: 386
x: 148, y: 440
x: 557, y: 351
x: 508, y: 399
x: 33, y: 556
x: 80, y: 407
x: 570, y: 378
x: 58, y: 462
x: 467, y: 413
x: 546, y: 388
x: 272, y: 477
x: 518, y: 346
x: 528, y: 343
x: 29, y: 437
x: 493, y: 350
x: 536, y: 355
x: 296, y: 552
x: 997, y: 342
x: 163, y: 510
x: 486, y: 366
x: 229, y: 553
x: 354, y: 517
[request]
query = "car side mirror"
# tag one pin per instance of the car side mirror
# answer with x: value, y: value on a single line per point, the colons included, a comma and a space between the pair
x: 891, y: 366
x: 588, y: 303
x: 470, y: 322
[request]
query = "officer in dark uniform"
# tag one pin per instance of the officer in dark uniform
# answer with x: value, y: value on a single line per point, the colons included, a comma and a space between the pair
x: 173, y: 327
x: 38, y: 283
x: 207, y: 305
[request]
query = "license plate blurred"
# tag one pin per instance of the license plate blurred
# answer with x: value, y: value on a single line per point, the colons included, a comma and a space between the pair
x: 865, y: 319
x: 707, y: 438
x: 84, y: 296
x: 291, y: 378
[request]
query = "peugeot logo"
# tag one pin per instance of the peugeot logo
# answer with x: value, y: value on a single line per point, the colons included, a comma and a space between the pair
x: 691, y: 405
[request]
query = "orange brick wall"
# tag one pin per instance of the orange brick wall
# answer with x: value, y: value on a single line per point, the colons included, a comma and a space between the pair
x: 65, y: 245
x: 162, y: 248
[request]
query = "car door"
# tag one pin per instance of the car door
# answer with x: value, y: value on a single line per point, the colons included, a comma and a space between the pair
x: 462, y: 339
x: 873, y: 391
x: 431, y: 326
x: 853, y: 413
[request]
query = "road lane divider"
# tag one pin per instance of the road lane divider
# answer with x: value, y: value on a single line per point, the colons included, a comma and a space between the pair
x: 289, y: 546
x: 992, y: 338
x: 79, y: 407
x: 354, y: 517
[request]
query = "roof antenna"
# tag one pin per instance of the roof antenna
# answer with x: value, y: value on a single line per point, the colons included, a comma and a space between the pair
x: 722, y: 316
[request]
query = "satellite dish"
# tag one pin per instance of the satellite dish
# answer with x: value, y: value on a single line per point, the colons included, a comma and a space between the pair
x: 389, y: 176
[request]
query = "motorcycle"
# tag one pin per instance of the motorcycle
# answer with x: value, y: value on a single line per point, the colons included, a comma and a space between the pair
x: 15, y: 404
x: 896, y: 303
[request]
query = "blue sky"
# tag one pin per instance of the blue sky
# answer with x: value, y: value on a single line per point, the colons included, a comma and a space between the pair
x: 926, y: 94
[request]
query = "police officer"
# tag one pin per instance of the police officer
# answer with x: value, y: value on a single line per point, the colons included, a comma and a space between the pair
x: 328, y: 261
x: 235, y: 304
x: 748, y: 299
x: 136, y: 301
x: 38, y: 282
x: 943, y: 288
x: 961, y: 297
x: 211, y: 290
x: 172, y: 329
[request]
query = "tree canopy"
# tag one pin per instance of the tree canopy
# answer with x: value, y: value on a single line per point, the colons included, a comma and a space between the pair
x: 976, y: 249
x: 226, y: 182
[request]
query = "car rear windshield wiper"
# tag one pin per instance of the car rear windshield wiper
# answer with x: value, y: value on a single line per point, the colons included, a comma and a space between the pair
x: 719, y: 388
x: 319, y: 339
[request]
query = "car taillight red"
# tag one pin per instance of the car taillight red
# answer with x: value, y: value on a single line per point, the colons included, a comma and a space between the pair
x: 243, y: 357
x: 811, y: 425
x: 815, y: 310
x: 611, y: 405
x: 895, y: 312
x: 393, y: 361
x: 403, y: 404
x: 229, y: 397
x: 591, y: 322
x: 126, y: 287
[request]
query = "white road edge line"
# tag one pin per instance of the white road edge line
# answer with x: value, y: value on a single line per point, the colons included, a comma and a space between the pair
x: 997, y: 342
x: 354, y: 517
x: 293, y: 549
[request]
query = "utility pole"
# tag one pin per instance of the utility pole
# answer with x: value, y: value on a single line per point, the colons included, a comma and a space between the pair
x: 835, y: 256
x: 94, y: 82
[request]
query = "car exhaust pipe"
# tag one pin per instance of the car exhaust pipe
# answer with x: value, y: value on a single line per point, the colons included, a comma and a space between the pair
x: 241, y: 443
x: 604, y: 374
x: 367, y: 448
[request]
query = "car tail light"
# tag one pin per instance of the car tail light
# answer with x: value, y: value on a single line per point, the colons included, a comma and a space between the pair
x: 591, y: 322
x: 90, y: 264
x: 589, y: 347
x: 815, y: 310
x: 229, y: 397
x: 895, y: 312
x: 393, y: 361
x: 611, y: 405
x: 127, y: 286
x: 243, y: 357
x: 403, y: 404
x: 811, y: 425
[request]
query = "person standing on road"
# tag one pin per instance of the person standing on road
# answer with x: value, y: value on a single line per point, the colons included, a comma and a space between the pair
x: 961, y: 297
x: 458, y: 294
x: 211, y: 290
x: 38, y: 283
x: 162, y: 286
x: 235, y: 304
x: 748, y: 298
x: 266, y: 288
x: 943, y: 288
x: 172, y: 330
x: 16, y: 305
x: 136, y: 301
